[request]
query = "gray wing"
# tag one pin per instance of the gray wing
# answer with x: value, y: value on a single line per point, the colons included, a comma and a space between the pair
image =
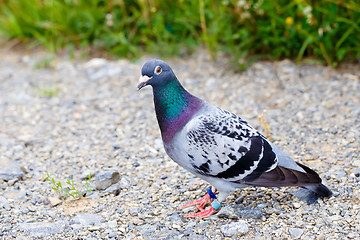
x: 223, y: 145
x: 285, y: 160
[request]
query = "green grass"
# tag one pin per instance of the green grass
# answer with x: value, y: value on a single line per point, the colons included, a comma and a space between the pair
x: 47, y: 92
x: 71, y: 190
x: 44, y: 62
x: 327, y: 30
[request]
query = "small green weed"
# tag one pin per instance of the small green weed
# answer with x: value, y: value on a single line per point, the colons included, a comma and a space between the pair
x: 46, y: 62
x: 71, y: 191
x: 48, y: 92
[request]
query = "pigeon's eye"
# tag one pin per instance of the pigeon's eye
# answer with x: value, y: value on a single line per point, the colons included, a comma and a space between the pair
x: 158, y: 70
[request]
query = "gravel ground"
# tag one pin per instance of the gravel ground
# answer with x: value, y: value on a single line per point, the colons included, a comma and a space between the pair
x: 79, y: 117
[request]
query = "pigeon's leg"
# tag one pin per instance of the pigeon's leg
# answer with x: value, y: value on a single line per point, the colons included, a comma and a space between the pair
x: 201, y: 202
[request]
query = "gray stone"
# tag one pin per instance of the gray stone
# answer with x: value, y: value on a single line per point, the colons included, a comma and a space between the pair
x: 87, y: 219
x: 240, y: 227
x: 188, y: 232
x: 147, y: 229
x: 4, y: 203
x: 105, y: 179
x: 261, y: 206
x: 112, y: 224
x: 165, y: 234
x: 12, y: 181
x: 124, y: 183
x: 94, y: 195
x: 85, y: 175
x: 134, y: 211
x: 54, y: 201
x: 95, y: 227
x: 239, y: 200
x: 341, y: 174
x: 99, y: 208
x: 296, y: 232
x: 115, y: 189
x: 197, y: 236
x: 236, y: 212
x: 9, y: 170
x: 250, y: 213
x: 175, y: 217
x: 15, y: 194
x: 41, y: 229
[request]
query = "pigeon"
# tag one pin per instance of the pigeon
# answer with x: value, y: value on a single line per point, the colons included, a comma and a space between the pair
x: 219, y: 146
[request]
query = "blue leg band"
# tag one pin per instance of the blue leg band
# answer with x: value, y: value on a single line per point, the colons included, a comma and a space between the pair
x: 211, y: 194
x: 216, y: 205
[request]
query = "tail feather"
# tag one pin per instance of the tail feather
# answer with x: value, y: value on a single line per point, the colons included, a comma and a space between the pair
x: 281, y: 177
x: 311, y: 194
x: 308, y: 179
x: 321, y: 190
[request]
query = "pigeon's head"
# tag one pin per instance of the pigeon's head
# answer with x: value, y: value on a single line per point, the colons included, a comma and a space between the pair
x: 155, y: 73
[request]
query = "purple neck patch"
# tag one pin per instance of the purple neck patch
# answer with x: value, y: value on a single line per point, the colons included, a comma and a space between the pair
x: 174, y: 107
x: 169, y: 127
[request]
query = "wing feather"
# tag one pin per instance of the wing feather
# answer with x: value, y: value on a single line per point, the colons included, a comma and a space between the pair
x: 223, y: 145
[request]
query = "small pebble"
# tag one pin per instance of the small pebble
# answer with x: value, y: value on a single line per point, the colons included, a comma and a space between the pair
x: 105, y: 179
x: 88, y: 219
x: 296, y: 232
x: 4, y: 203
x: 240, y: 227
x: 54, y: 201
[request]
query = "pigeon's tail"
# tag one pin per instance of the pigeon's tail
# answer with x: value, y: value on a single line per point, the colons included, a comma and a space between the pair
x: 282, y: 177
x: 308, y: 179
x: 321, y: 190
x: 314, y: 191
x: 311, y: 194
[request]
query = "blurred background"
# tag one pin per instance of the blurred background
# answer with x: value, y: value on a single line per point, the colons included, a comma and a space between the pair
x: 325, y: 31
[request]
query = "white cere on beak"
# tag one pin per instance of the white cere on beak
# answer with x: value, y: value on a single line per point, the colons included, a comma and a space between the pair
x: 144, y: 79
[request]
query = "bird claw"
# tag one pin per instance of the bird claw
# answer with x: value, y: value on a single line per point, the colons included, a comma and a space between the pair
x: 200, y: 202
x: 203, y: 213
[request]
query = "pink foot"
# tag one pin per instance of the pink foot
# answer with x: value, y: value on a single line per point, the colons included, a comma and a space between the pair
x: 203, y: 213
x: 201, y: 203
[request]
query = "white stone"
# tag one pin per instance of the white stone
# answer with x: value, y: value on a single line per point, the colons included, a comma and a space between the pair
x: 240, y: 227
x: 296, y: 232
x: 95, y: 63
x: 4, y: 203
x: 112, y: 223
x: 87, y: 219
x: 41, y: 229
x: 296, y: 205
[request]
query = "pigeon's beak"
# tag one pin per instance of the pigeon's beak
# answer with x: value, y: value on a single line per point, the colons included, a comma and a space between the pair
x: 143, y: 81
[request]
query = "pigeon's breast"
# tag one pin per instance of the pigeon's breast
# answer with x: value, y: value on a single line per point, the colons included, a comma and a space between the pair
x: 177, y: 149
x: 178, y: 146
